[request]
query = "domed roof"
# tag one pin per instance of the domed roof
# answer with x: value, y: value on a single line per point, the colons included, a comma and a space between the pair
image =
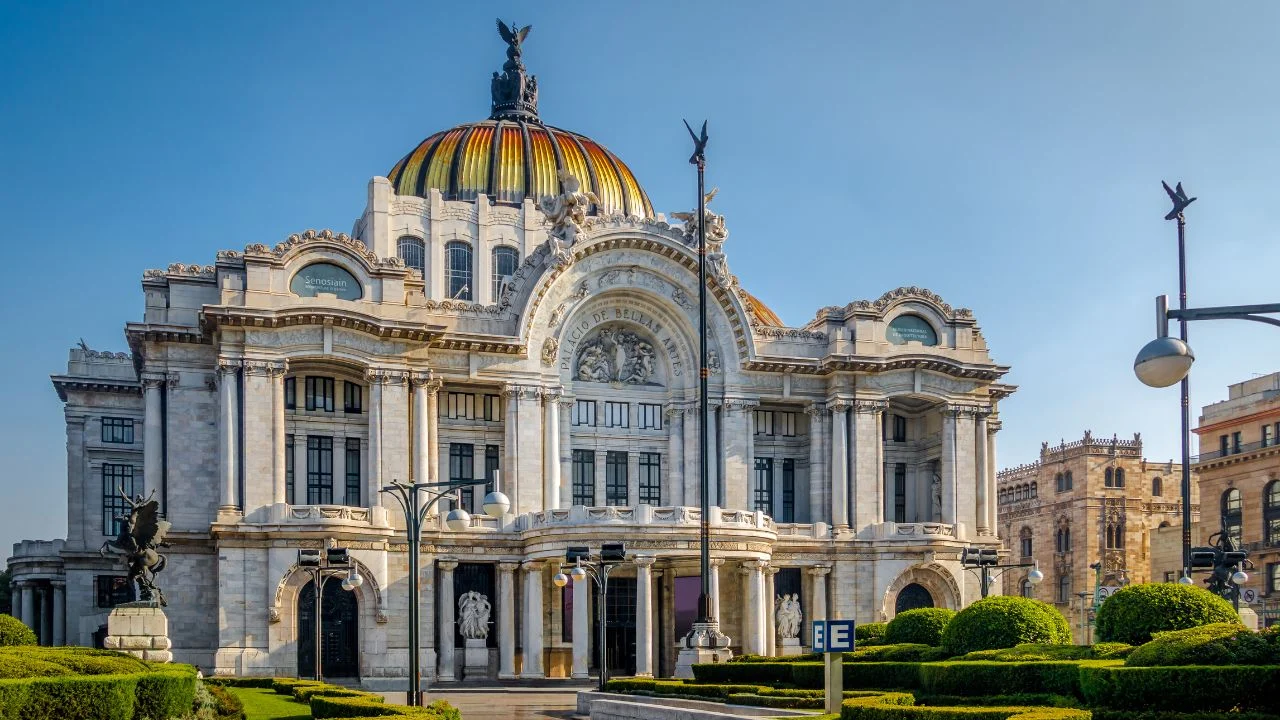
x: 513, y: 155
x: 509, y: 159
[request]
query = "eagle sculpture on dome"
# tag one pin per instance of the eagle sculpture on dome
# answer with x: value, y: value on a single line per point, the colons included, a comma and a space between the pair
x: 513, y: 38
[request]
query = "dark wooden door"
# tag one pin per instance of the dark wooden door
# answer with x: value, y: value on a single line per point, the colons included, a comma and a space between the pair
x: 339, y: 627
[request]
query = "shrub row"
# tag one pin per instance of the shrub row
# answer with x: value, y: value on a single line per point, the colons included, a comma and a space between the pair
x: 31, y: 662
x: 1031, y: 652
x: 1240, y: 688
x: 244, y: 682
x: 899, y: 706
x: 343, y: 708
x: 165, y: 693
x: 869, y: 631
x: 1134, y: 614
x: 1005, y: 622
x: 1214, y: 644
x: 921, y: 625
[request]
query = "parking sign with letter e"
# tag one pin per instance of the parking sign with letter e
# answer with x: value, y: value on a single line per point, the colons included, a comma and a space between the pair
x: 819, y: 635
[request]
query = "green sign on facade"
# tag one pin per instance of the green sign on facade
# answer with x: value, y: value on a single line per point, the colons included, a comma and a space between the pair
x: 326, y: 278
x: 911, y: 328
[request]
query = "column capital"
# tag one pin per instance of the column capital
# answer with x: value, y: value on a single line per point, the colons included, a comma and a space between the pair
x: 771, y: 569
x: 716, y: 562
x: 550, y: 395
x: 566, y: 403
x: 644, y: 561
x: 815, y: 409
x: 227, y: 366
x: 752, y: 566
x: 870, y: 406
x: 959, y: 410
x: 264, y: 367
x: 172, y: 379
x: 838, y: 406
x: 508, y: 566
x: 532, y: 566
x: 447, y: 564
x: 994, y: 426
x: 674, y: 410
x: 740, y: 404
x: 818, y: 571
x: 425, y: 378
x: 58, y: 584
x: 153, y: 380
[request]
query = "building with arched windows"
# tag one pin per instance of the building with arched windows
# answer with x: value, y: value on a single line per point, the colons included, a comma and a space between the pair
x: 1091, y: 501
x: 488, y: 319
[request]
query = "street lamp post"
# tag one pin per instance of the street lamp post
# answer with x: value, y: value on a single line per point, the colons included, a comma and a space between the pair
x: 322, y: 565
x: 1227, y: 563
x: 598, y: 569
x: 409, y: 495
x: 984, y: 560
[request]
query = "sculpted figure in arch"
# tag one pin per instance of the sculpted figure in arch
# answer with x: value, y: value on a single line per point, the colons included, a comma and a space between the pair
x: 617, y: 355
x: 788, y: 616
x: 567, y: 213
x: 473, y: 615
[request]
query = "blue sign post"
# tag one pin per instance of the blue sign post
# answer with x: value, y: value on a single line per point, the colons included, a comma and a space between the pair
x: 832, y: 638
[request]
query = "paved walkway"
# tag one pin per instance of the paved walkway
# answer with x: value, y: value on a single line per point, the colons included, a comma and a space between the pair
x: 505, y: 703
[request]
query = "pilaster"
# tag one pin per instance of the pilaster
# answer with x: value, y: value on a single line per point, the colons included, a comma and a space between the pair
x: 533, y: 621
x: 448, y: 622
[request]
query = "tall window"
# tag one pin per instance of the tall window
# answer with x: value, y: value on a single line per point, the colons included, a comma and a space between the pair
x: 1025, y: 542
x: 785, y: 423
x: 650, y: 416
x: 319, y: 470
x: 319, y: 393
x: 414, y: 253
x: 1115, y: 536
x: 288, y: 469
x: 492, y: 408
x: 788, y: 490
x: 900, y: 492
x: 492, y: 464
x: 584, y: 413
x: 899, y: 428
x: 1025, y: 588
x: 1271, y: 512
x: 584, y: 477
x: 616, y: 414
x: 117, y: 430
x: 1232, y: 517
x: 1064, y: 589
x: 462, y: 461
x: 615, y: 478
x: 763, y: 422
x: 115, y: 480
x: 1119, y: 477
x: 352, y: 489
x: 1157, y: 486
x: 1273, y: 577
x: 460, y: 406
x: 650, y: 479
x: 505, y: 261
x: 1236, y: 442
x: 1062, y: 540
x: 291, y: 393
x: 458, y: 270
x: 1058, y: 482
x: 1268, y: 434
x: 1224, y: 445
x: 352, y: 397
x: 1109, y: 478
x: 763, y: 498
x: 1066, y: 478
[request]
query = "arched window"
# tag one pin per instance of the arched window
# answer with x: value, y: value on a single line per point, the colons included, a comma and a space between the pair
x: 1025, y: 588
x: 457, y: 257
x: 505, y: 261
x: 1119, y: 477
x: 1064, y: 589
x: 1109, y: 478
x: 1034, y: 487
x: 1115, y: 536
x: 1157, y: 486
x: 1025, y: 542
x: 414, y: 253
x: 1062, y: 541
x: 1068, y: 479
x: 1059, y: 481
x: 1271, y: 513
x: 1232, y: 515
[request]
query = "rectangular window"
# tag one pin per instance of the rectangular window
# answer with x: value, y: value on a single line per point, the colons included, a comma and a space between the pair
x: 352, y: 397
x: 319, y: 469
x: 788, y: 488
x: 650, y: 479
x: 461, y: 406
x: 288, y: 469
x: 319, y: 393
x: 763, y: 496
x: 291, y: 393
x: 786, y: 424
x: 113, y: 590
x: 1266, y: 435
x: 650, y: 416
x: 352, y: 488
x: 615, y: 478
x: 1224, y: 446
x: 1026, y: 547
x: 492, y: 408
x: 462, y: 461
x: 1273, y: 577
x: 116, y: 479
x: 491, y: 467
x: 616, y: 414
x: 584, y: 477
x: 764, y: 422
x: 900, y: 492
x: 584, y: 413
x: 1235, y: 442
x: 117, y: 430
x: 899, y: 428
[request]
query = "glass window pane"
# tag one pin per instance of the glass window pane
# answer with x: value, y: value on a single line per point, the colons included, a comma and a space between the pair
x: 615, y: 478
x: 505, y: 261
x: 458, y: 270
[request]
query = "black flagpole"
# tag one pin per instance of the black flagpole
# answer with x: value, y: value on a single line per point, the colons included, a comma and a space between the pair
x: 706, y: 613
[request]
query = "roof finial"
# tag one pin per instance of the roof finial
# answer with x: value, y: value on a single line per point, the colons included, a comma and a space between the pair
x: 515, y: 93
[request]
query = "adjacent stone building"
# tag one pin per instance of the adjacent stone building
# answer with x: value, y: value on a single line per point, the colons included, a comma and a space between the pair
x: 1086, y: 502
x: 509, y: 309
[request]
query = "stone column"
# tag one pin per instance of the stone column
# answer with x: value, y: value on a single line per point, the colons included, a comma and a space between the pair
x: 433, y: 429
x: 817, y: 595
x: 993, y: 518
x: 948, y: 465
x: 374, y: 480
x: 980, y: 473
x: 421, y: 428
x: 753, y: 607
x: 228, y: 434
x: 675, y: 456
x: 46, y: 618
x: 59, y: 613
x: 868, y: 464
x: 738, y: 471
x: 819, y: 507
x: 507, y: 621
x: 714, y: 587
x: 551, y: 448
x: 965, y: 500
x: 532, y: 667
x: 448, y: 606
x: 277, y: 434
x: 511, y: 454
x: 716, y: 456
x: 152, y: 435
x: 566, y: 454
x: 839, y: 464
x: 692, y: 468
x: 644, y: 616
x: 748, y: 424
x: 770, y: 606
x: 300, y: 470
x: 581, y: 628
x: 28, y: 592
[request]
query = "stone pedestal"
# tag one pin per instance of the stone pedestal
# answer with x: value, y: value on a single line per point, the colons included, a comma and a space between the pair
x: 790, y: 646
x: 704, y: 644
x: 1248, y: 617
x: 475, y: 659
x: 140, y: 629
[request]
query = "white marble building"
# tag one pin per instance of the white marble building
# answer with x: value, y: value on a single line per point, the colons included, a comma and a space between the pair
x: 459, y: 331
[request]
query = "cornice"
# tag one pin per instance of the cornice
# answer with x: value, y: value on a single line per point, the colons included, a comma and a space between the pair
x: 64, y: 383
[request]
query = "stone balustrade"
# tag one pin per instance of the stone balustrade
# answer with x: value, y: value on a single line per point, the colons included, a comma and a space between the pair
x: 645, y: 515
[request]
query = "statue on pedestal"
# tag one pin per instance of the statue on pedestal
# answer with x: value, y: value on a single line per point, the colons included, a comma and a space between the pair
x: 473, y: 615
x: 141, y: 536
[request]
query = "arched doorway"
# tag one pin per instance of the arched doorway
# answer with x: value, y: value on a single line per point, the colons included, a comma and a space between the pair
x: 340, y: 627
x: 911, y: 597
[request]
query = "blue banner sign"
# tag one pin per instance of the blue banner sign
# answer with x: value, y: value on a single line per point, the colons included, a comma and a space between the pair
x: 833, y: 636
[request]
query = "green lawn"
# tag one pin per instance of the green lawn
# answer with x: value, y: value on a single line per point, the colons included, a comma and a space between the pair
x: 265, y: 704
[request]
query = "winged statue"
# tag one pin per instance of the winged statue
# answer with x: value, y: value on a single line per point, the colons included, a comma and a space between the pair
x: 141, y: 537
x: 514, y: 38
x: 692, y: 216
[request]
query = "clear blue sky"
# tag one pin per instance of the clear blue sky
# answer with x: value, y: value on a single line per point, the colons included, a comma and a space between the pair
x: 1006, y: 155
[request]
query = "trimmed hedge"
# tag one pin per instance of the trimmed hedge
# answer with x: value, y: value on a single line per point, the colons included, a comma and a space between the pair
x: 755, y: 673
x: 898, y: 706
x: 166, y: 693
x: 1028, y: 652
x: 1134, y: 614
x: 1001, y: 678
x: 86, y: 684
x: 1005, y: 622
x: 1017, y: 699
x: 346, y: 707
x: 869, y: 631
x: 921, y: 626
x: 244, y: 682
x: 20, y: 662
x: 13, y: 632
x: 905, y: 652
x: 1192, y: 688
x: 1215, y: 644
x: 225, y: 703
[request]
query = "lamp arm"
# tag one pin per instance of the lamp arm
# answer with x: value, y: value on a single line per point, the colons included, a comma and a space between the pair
x: 422, y: 513
x: 398, y: 494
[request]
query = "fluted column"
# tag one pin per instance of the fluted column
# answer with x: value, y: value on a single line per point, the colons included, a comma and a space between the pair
x: 753, y: 608
x: 948, y: 465
x: 770, y: 620
x: 715, y: 459
x: 839, y: 464
x: 993, y: 518
x: 691, y: 466
x: 818, y: 594
x: 507, y: 620
x: 433, y: 429
x: 28, y: 593
x: 675, y: 456
x: 819, y: 506
x: 45, y: 599
x: 375, y: 379
x: 152, y: 435
x: 644, y: 616
x: 714, y: 587
x: 228, y: 376
x: 532, y: 666
x: 867, y: 472
x: 980, y: 474
x: 566, y: 453
x: 581, y: 628
x: 510, y: 441
x: 448, y: 622
x: 277, y: 434
x: 421, y: 428
x: 551, y: 448
x: 59, y: 613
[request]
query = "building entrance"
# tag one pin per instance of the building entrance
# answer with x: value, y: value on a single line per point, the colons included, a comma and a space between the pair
x: 620, y: 627
x: 340, y: 628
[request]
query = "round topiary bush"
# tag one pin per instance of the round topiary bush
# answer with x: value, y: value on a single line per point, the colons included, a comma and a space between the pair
x: 13, y: 632
x: 1135, y: 613
x: 923, y: 626
x: 869, y: 633
x: 1003, y: 622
